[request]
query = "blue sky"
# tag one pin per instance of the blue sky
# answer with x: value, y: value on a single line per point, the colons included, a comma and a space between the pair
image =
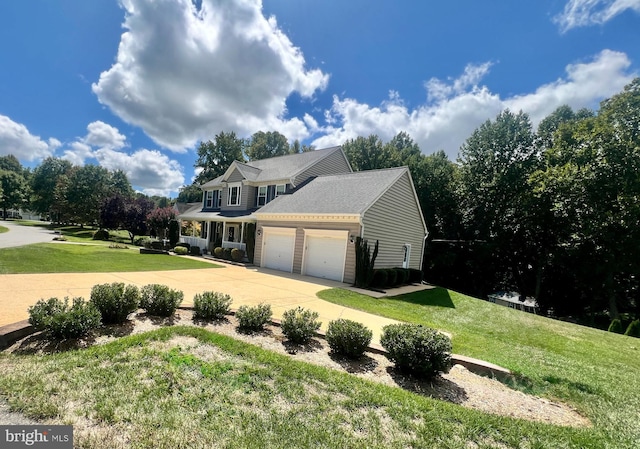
x: 137, y: 84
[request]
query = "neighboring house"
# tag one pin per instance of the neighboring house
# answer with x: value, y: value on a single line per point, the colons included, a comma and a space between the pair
x: 513, y: 300
x: 308, y: 209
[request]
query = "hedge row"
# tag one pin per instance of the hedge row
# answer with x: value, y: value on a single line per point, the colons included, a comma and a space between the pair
x: 393, y: 277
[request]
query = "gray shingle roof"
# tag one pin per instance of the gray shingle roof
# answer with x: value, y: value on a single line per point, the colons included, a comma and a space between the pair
x: 350, y: 193
x: 277, y: 168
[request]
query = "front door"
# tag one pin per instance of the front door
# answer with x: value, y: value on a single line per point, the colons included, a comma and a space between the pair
x: 232, y: 233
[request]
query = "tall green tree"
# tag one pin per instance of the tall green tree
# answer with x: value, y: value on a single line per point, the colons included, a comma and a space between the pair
x: 495, y: 165
x: 297, y: 147
x: 43, y: 184
x: 215, y: 157
x: 120, y: 185
x: 14, y: 191
x: 369, y: 153
x: 88, y: 187
x: 190, y: 194
x: 263, y: 145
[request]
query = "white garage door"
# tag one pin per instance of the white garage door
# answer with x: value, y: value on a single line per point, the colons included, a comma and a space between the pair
x: 325, y: 255
x: 277, y: 249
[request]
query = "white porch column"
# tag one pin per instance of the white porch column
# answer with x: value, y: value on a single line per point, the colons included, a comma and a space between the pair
x: 224, y: 231
x: 241, y: 231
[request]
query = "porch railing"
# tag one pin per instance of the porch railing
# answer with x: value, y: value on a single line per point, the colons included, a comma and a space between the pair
x: 194, y: 241
x: 236, y: 245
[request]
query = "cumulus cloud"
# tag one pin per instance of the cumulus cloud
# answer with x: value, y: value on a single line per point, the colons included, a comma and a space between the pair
x: 579, y: 13
x: 183, y: 74
x: 100, y: 134
x: 16, y: 139
x: 456, y: 107
x: 150, y: 170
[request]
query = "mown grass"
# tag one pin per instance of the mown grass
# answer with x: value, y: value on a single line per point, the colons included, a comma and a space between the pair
x: 597, y: 372
x: 79, y: 234
x: 3, y: 229
x: 213, y: 391
x: 72, y: 258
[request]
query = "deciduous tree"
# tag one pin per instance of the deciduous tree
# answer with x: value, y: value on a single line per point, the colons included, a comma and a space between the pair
x: 215, y: 157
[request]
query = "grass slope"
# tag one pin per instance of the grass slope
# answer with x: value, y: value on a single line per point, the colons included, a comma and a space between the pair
x: 595, y: 371
x: 3, y: 229
x: 71, y: 258
x: 218, y: 392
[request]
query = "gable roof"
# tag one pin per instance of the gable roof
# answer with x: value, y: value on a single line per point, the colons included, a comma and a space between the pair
x: 349, y: 193
x: 275, y: 168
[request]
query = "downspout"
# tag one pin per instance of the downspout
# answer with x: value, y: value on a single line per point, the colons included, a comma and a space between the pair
x: 424, y: 244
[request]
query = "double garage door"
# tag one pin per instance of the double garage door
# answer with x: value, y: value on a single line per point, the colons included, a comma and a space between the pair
x: 323, y: 251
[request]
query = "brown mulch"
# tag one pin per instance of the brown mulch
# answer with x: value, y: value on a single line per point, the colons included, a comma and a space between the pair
x: 459, y: 386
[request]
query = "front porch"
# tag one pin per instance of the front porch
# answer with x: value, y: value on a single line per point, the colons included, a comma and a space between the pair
x: 208, y: 235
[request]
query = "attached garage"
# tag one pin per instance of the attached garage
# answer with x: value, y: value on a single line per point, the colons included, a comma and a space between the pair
x: 277, y: 248
x: 325, y: 253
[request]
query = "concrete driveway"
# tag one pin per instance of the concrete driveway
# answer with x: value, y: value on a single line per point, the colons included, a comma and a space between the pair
x: 23, y: 235
x: 245, y: 285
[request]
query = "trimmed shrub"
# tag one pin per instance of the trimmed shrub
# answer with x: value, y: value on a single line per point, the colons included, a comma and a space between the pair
x: 115, y: 301
x: 633, y: 330
x: 417, y: 349
x: 402, y: 276
x: 160, y: 300
x: 184, y: 245
x: 226, y: 253
x: 218, y: 251
x: 392, y: 277
x: 299, y: 325
x: 415, y: 276
x: 253, y: 318
x: 211, y: 305
x: 195, y: 251
x: 61, y: 322
x: 157, y: 244
x: 379, y: 278
x: 101, y: 234
x: 181, y: 250
x: 615, y: 326
x: 348, y: 338
x: 142, y: 241
x: 237, y: 254
x: 174, y: 232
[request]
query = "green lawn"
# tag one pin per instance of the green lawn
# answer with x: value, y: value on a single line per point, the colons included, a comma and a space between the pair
x: 214, y: 391
x: 3, y: 229
x: 79, y: 234
x: 596, y: 372
x: 73, y: 258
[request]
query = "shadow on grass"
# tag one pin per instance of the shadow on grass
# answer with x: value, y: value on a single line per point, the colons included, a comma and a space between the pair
x: 584, y: 388
x: 294, y: 348
x: 435, y: 297
x: 438, y: 388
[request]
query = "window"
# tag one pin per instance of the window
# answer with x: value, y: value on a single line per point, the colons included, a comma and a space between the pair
x: 218, y: 200
x: 208, y: 203
x: 261, y: 200
x: 280, y: 188
x: 234, y: 195
x: 203, y: 229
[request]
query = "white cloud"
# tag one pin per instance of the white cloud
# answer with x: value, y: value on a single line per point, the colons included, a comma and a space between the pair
x: 183, y: 74
x: 150, y: 170
x: 103, y: 135
x: 579, y: 13
x: 77, y: 153
x: 16, y: 139
x: 456, y: 107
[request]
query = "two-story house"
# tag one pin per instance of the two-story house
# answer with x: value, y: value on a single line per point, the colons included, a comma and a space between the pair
x: 307, y: 210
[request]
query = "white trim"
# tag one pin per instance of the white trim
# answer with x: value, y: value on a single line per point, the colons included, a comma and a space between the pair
x: 258, y: 196
x: 406, y: 255
x: 332, y: 234
x: 279, y: 230
x: 340, y: 218
x: 234, y: 185
x: 284, y: 189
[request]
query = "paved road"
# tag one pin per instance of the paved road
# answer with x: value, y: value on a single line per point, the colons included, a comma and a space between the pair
x: 23, y: 235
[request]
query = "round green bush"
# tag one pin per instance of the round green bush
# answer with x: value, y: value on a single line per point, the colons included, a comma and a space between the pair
x: 237, y: 254
x: 379, y: 278
x: 211, y: 306
x: 253, y: 318
x: 615, y: 326
x: 633, y: 330
x: 181, y: 250
x: 226, y: 253
x: 101, y: 234
x: 61, y: 322
x: 218, y: 251
x: 299, y: 325
x: 416, y: 349
x: 160, y: 300
x: 392, y: 277
x: 415, y: 276
x: 348, y: 338
x: 115, y: 301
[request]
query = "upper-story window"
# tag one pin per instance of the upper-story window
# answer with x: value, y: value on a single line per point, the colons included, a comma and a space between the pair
x: 280, y: 188
x: 261, y: 199
x: 212, y: 199
x: 233, y: 198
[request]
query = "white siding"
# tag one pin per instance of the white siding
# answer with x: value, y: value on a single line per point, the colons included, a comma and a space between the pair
x: 395, y: 220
